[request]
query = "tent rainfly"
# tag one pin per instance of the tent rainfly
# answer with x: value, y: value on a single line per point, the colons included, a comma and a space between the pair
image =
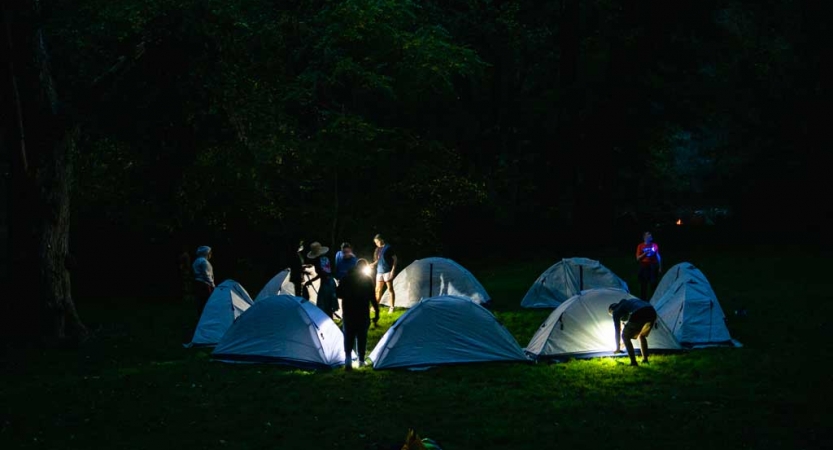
x: 228, y: 301
x: 280, y: 285
x: 567, y: 278
x: 432, y: 277
x: 690, y: 308
x: 283, y: 329
x: 677, y: 272
x: 445, y: 330
x: 582, y: 328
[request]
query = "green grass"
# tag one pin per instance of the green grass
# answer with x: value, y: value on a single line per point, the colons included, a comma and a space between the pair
x: 134, y: 387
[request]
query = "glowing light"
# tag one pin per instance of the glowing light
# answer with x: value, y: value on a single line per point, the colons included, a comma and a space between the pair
x: 367, y: 271
x: 679, y: 221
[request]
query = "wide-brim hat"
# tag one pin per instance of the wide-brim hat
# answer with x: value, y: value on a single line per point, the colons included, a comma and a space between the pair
x: 316, y: 250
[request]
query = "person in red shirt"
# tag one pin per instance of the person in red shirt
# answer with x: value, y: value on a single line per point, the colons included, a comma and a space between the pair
x: 650, y: 265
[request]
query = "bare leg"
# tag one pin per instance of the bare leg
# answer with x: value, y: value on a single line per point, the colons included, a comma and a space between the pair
x: 379, y: 286
x: 392, y: 294
x: 631, y: 351
x: 643, y: 347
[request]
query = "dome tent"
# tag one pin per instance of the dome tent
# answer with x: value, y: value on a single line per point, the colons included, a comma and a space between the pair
x: 280, y: 285
x: 283, y: 329
x: 431, y: 277
x: 691, y: 310
x: 678, y: 272
x: 581, y: 328
x: 445, y: 330
x: 228, y: 301
x: 567, y: 278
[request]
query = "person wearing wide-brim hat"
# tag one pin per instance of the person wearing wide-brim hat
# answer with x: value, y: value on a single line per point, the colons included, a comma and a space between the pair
x: 327, y: 300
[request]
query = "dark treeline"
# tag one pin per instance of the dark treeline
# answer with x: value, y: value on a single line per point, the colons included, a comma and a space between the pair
x: 455, y: 127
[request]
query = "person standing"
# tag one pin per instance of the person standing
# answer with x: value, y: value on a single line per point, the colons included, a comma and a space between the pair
x: 356, y: 292
x: 345, y: 260
x: 384, y: 259
x: 639, y: 318
x: 296, y: 266
x: 327, y: 300
x: 650, y: 265
x: 203, y: 277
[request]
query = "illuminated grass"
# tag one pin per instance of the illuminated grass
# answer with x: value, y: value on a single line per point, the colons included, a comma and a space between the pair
x: 134, y: 386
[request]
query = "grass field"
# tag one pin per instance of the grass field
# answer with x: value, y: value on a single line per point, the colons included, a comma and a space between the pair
x: 133, y: 386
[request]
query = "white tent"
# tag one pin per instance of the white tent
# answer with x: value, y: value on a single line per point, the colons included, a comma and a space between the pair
x: 228, y: 301
x: 677, y: 272
x: 567, y: 278
x: 581, y: 327
x: 690, y: 308
x: 280, y: 285
x: 432, y: 277
x: 445, y: 330
x: 283, y: 329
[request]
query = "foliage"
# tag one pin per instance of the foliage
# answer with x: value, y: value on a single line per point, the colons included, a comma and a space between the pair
x: 246, y: 123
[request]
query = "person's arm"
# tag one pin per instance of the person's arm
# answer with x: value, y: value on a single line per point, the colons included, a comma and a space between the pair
x: 639, y: 256
x: 210, y: 272
x: 617, y: 325
x: 659, y: 259
x: 393, y: 266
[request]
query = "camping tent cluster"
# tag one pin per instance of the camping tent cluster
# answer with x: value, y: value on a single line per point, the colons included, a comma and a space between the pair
x: 447, y: 321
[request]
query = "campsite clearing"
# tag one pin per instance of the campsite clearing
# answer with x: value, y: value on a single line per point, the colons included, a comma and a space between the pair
x: 133, y: 385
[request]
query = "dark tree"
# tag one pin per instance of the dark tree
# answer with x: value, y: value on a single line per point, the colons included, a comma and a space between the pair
x: 41, y: 140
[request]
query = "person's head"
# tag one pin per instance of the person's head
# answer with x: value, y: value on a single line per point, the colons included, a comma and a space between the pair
x: 316, y: 250
x: 203, y: 251
x: 347, y: 250
x: 362, y: 266
x: 379, y: 240
x: 647, y: 237
x: 612, y: 307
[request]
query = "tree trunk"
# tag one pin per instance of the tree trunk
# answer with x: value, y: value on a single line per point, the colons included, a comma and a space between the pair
x: 42, y: 179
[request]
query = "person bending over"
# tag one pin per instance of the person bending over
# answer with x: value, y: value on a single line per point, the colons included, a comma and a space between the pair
x: 639, y: 318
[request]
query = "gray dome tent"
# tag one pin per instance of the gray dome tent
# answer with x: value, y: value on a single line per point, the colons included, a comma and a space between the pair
x: 228, y: 301
x: 678, y: 272
x: 581, y: 328
x: 283, y: 329
x: 445, y: 330
x: 690, y: 308
x: 280, y: 285
x: 432, y: 277
x: 567, y: 278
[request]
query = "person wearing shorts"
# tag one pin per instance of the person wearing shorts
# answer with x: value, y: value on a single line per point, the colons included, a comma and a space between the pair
x: 384, y: 259
x: 639, y: 318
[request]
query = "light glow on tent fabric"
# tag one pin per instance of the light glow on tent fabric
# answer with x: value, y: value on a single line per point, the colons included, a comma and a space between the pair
x: 367, y: 271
